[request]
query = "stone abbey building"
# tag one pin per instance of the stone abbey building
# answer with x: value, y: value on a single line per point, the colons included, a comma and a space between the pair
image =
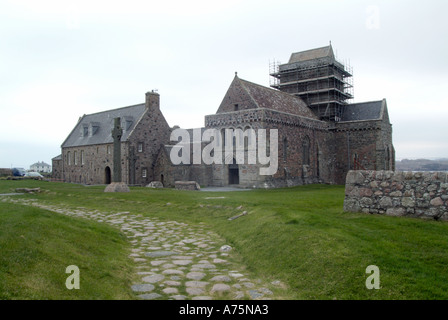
x: 321, y: 136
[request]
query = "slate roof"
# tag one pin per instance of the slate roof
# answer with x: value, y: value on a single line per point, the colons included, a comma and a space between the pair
x: 96, y: 128
x: 372, y: 110
x: 312, y: 54
x: 268, y: 98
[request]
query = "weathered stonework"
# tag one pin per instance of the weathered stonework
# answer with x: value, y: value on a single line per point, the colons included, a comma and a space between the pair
x: 155, y: 184
x: 117, y: 187
x: 311, y: 149
x: 413, y: 194
x: 187, y: 185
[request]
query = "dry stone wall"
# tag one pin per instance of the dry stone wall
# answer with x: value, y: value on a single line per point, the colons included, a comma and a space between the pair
x: 398, y: 193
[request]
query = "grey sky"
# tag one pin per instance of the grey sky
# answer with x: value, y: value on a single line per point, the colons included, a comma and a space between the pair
x: 62, y: 59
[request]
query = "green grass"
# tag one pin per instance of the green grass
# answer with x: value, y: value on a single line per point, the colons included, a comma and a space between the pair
x: 297, y: 235
x: 37, y: 246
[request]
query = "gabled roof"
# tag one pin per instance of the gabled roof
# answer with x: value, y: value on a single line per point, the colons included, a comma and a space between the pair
x: 312, y: 54
x: 277, y: 100
x: 372, y: 110
x: 96, y: 128
x: 253, y: 96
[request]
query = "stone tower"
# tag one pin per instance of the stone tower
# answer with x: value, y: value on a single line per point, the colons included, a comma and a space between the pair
x: 315, y: 76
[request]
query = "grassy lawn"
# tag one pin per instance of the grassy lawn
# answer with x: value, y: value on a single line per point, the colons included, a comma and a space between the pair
x: 37, y: 246
x: 297, y: 235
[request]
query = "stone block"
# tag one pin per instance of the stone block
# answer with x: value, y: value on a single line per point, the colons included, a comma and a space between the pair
x: 396, y: 194
x: 351, y: 205
x: 398, y: 176
x: 407, y: 202
x: 433, y: 213
x: 408, y: 193
x: 395, y: 211
x: 365, y: 192
x: 385, y: 202
x: 117, y: 187
x: 436, y: 202
x: 187, y: 185
x: 155, y: 184
x: 421, y: 203
x: 408, y: 175
x: 444, y: 216
x: 374, y: 184
x: 354, y: 177
x: 366, y: 202
x: 384, y: 184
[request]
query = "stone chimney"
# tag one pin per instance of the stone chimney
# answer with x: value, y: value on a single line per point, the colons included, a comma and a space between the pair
x: 152, y: 100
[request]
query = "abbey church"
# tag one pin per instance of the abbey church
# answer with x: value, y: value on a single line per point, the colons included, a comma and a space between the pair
x: 321, y: 134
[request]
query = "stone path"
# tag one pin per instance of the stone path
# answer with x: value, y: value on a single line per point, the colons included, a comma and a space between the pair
x: 176, y: 260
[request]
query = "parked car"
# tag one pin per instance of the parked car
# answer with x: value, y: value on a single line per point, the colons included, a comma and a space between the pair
x: 18, y: 172
x: 33, y: 175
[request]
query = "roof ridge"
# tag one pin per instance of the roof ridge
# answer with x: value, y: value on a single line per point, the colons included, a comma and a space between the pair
x: 364, y: 102
x: 109, y: 110
x: 312, y: 54
x: 314, y: 49
x: 273, y: 90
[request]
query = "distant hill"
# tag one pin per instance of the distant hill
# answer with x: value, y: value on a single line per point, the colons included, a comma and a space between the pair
x: 422, y: 165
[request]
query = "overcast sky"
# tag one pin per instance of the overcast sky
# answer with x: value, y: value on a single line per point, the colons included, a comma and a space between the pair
x: 62, y: 59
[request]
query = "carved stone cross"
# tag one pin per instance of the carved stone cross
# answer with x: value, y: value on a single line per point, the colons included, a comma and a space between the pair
x: 117, y: 133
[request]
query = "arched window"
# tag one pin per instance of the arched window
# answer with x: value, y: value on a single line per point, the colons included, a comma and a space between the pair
x: 285, y: 149
x: 247, y: 138
x: 306, y: 151
x: 223, y: 137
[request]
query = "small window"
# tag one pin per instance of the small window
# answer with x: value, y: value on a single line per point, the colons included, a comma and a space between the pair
x: 75, y: 157
x: 236, y: 107
x: 128, y: 124
x: 285, y: 149
x: 144, y: 172
x: 85, y: 130
x: 82, y: 157
x: 140, y: 147
x: 306, y: 151
x: 108, y: 149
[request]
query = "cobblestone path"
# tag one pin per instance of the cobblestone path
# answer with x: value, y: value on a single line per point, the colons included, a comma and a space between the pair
x: 175, y: 260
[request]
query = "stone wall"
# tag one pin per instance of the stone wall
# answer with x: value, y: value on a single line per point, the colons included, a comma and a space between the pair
x: 57, y: 169
x: 151, y: 133
x: 87, y: 164
x: 398, y: 193
x: 295, y: 135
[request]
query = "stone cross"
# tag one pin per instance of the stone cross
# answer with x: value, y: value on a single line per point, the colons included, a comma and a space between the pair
x: 117, y: 132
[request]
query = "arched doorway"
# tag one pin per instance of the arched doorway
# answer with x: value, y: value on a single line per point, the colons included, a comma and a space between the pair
x: 234, y: 173
x: 107, y: 176
x: 162, y: 179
